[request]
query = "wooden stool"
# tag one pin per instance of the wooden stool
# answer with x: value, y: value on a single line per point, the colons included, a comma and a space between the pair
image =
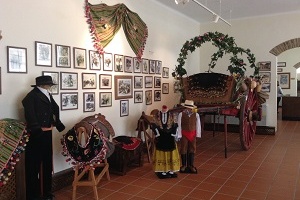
x: 93, y: 180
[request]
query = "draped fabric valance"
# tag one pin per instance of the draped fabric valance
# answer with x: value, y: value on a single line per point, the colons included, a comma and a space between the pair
x: 105, y: 21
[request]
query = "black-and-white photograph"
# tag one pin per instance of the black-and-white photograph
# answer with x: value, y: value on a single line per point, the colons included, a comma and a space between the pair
x: 165, y: 72
x: 55, y: 79
x: 89, y: 81
x: 138, y: 96
x: 148, y: 81
x: 105, y: 99
x: 105, y: 81
x: 88, y: 101
x: 124, y: 108
x: 152, y: 66
x: 138, y: 82
x: 63, y: 56
x: 123, y: 87
x: 68, y: 81
x: 158, y: 67
x: 157, y: 82
x: 79, y: 58
x: 148, y: 97
x: 16, y: 60
x: 145, y: 68
x: 107, y: 62
x: 96, y: 60
x: 43, y: 54
x: 157, y: 95
x: 137, y: 65
x: 165, y: 88
x: 69, y: 101
x: 264, y: 66
x: 119, y: 63
x: 128, y: 65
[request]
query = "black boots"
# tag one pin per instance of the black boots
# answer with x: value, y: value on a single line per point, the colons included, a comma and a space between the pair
x: 187, y: 163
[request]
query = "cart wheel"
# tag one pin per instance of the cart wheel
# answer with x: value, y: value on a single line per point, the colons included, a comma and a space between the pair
x: 249, y: 114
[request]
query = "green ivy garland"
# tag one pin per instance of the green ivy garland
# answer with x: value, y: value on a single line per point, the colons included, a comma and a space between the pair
x: 226, y: 45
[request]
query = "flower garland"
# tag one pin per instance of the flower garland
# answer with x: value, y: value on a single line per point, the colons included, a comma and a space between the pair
x: 226, y: 45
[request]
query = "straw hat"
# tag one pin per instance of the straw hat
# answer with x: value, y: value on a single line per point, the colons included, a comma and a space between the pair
x: 189, y: 104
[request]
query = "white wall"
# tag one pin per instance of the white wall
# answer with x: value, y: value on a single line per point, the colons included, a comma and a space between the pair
x: 63, y: 22
x: 260, y: 35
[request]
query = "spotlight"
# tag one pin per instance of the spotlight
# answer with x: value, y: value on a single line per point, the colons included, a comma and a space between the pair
x: 216, y: 18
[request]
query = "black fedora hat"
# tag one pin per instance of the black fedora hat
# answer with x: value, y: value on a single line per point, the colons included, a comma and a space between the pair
x: 43, y: 80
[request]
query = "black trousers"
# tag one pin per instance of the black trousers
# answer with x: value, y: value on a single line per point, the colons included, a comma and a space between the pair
x: 38, y: 165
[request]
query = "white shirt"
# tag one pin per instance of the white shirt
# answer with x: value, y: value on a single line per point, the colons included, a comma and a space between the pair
x: 45, y: 92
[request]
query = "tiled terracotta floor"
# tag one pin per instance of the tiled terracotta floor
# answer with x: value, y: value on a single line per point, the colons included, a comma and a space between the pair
x: 270, y: 170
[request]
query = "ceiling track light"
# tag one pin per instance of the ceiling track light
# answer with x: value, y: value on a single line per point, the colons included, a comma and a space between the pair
x: 216, y: 18
x: 181, y: 1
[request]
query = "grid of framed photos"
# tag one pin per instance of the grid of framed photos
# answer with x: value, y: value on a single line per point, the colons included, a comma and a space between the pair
x: 140, y: 79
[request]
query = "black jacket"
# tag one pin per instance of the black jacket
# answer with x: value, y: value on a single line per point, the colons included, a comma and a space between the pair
x: 40, y: 112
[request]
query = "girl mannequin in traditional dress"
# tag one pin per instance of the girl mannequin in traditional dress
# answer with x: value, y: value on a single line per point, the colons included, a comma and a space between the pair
x: 166, y: 159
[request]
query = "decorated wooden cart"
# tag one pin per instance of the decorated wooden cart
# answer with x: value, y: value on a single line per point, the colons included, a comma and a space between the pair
x: 228, y: 95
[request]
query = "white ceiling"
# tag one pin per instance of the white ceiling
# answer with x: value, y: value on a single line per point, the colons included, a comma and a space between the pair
x: 231, y: 9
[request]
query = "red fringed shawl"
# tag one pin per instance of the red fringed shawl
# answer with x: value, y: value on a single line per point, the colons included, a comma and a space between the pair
x: 105, y: 21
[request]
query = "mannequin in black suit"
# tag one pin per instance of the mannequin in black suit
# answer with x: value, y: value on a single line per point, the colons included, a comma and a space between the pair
x: 41, y: 114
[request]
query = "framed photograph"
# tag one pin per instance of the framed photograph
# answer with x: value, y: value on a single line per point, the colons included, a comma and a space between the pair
x: 63, y: 56
x: 266, y: 87
x: 138, y: 96
x: 107, y: 62
x: 148, y: 81
x: 79, y: 58
x: 145, y: 68
x: 123, y: 87
x: 69, y: 101
x: 165, y: 72
x: 68, y: 81
x: 119, y: 63
x: 264, y: 66
x: 158, y: 68
x: 284, y: 80
x: 138, y: 82
x: 157, y: 95
x: 124, y: 108
x: 281, y: 64
x: 105, y: 99
x: 96, y: 60
x: 89, y: 81
x: 157, y: 82
x: 43, y: 54
x: 105, y: 81
x: 152, y: 66
x: 266, y: 77
x: 16, y: 60
x: 137, y: 65
x: 165, y: 88
x: 88, y: 101
x: 128, y: 67
x: 148, y: 97
x: 279, y: 70
x: 55, y: 78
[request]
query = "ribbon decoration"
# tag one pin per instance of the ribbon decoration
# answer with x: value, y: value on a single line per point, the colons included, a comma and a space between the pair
x: 105, y: 21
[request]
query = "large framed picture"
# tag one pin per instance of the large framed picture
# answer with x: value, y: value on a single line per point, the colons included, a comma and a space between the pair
x: 157, y: 95
x: 264, y: 66
x: 16, y: 59
x: 148, y: 97
x: 68, y: 81
x: 148, y: 81
x: 284, y: 80
x: 43, y: 54
x: 138, y: 82
x: 165, y: 88
x: 119, y: 63
x: 89, y: 81
x: 55, y: 78
x: 124, y: 108
x: 128, y: 67
x: 138, y: 96
x: 105, y: 81
x: 145, y: 68
x: 105, y: 99
x: 88, y: 101
x: 79, y: 58
x: 108, y: 62
x: 63, y: 56
x: 96, y: 60
x: 69, y: 101
x: 137, y: 65
x: 165, y: 72
x: 123, y: 87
